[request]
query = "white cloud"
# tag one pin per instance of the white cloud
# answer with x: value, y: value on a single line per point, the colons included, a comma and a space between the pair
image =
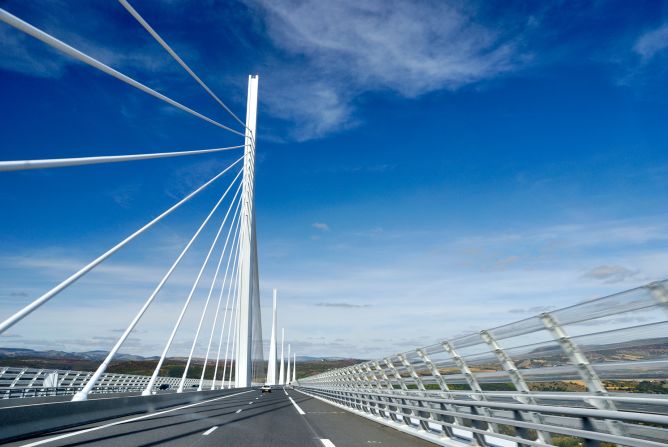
x: 610, y: 273
x: 24, y: 54
x: 432, y: 284
x: 339, y: 50
x: 320, y: 226
x: 652, y: 42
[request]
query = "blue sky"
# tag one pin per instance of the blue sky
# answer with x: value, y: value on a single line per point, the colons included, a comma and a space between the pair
x: 424, y: 168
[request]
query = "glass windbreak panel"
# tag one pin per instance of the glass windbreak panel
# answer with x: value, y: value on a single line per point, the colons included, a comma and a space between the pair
x: 540, y: 335
x: 411, y: 355
x: 433, y: 349
x: 645, y: 316
x: 649, y: 370
x: 446, y: 366
x: 456, y: 379
x: 638, y: 343
x: 465, y: 341
x: 553, y: 374
x: 472, y: 350
x: 538, y: 355
x: 630, y: 300
x: 483, y: 362
x: 645, y: 403
x: 518, y: 328
x: 492, y: 377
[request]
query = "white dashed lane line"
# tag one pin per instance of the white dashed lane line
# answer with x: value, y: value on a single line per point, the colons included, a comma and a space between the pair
x: 126, y: 421
x: 239, y: 411
x: 327, y: 443
x: 299, y: 410
x: 209, y: 431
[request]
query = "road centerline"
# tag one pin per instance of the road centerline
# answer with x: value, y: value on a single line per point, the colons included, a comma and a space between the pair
x: 209, y: 431
x: 299, y: 410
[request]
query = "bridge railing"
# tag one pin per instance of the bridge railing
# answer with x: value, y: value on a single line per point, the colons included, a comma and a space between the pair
x: 596, y: 371
x: 33, y: 382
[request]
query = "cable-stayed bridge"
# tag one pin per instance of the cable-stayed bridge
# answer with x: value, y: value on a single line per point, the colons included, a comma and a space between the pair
x: 591, y: 374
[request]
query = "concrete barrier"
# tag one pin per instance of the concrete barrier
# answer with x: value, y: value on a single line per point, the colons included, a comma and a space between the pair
x: 25, y: 421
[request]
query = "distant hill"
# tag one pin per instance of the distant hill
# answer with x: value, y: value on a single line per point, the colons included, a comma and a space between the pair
x: 88, y: 355
x: 136, y: 364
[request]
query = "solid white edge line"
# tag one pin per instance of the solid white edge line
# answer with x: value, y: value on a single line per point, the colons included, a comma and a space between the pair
x: 112, y: 424
x: 327, y: 443
x: 209, y: 431
x: 299, y: 410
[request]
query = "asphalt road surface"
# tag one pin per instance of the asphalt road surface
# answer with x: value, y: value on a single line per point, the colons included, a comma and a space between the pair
x: 247, y: 418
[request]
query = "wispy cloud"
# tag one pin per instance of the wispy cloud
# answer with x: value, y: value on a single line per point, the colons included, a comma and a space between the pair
x: 23, y: 54
x: 346, y: 48
x: 610, y: 273
x: 343, y: 305
x: 18, y: 294
x: 320, y: 226
x: 125, y: 195
x: 652, y: 42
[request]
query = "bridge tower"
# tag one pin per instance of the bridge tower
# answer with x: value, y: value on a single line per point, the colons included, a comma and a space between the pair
x: 249, y: 295
x: 271, y: 365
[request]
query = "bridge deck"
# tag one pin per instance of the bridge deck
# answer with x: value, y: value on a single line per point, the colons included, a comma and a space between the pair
x: 246, y: 418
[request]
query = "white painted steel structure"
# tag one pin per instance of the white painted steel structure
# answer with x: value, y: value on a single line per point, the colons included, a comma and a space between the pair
x: 249, y: 290
x: 239, y: 283
x: 288, y: 376
x: 281, y: 375
x: 564, y: 373
x: 271, y: 364
x: 34, y: 382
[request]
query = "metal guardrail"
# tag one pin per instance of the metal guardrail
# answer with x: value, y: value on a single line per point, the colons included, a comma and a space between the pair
x: 596, y: 371
x: 33, y: 382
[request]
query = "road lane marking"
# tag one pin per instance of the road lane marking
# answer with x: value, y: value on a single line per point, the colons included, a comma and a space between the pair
x: 239, y: 411
x: 327, y: 443
x: 125, y: 421
x: 209, y: 431
x: 299, y: 410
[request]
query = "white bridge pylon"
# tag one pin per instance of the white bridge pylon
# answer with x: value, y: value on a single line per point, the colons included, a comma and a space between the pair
x: 249, y: 290
x: 271, y: 365
x: 245, y: 321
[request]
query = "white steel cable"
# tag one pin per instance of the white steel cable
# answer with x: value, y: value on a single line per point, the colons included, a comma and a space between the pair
x: 234, y: 279
x: 220, y: 299
x: 233, y: 321
x: 83, y: 394
x: 176, y: 57
x: 48, y: 39
x: 18, y: 316
x: 149, y: 388
x: 227, y: 303
x: 19, y: 165
x: 192, y: 348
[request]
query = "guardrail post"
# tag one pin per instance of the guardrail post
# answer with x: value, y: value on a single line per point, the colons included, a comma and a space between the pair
x: 475, y: 387
x: 388, y: 384
x: 518, y: 381
x: 584, y: 368
x: 363, y: 386
x: 379, y: 406
x: 405, y: 418
x: 407, y: 364
x: 447, y: 430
